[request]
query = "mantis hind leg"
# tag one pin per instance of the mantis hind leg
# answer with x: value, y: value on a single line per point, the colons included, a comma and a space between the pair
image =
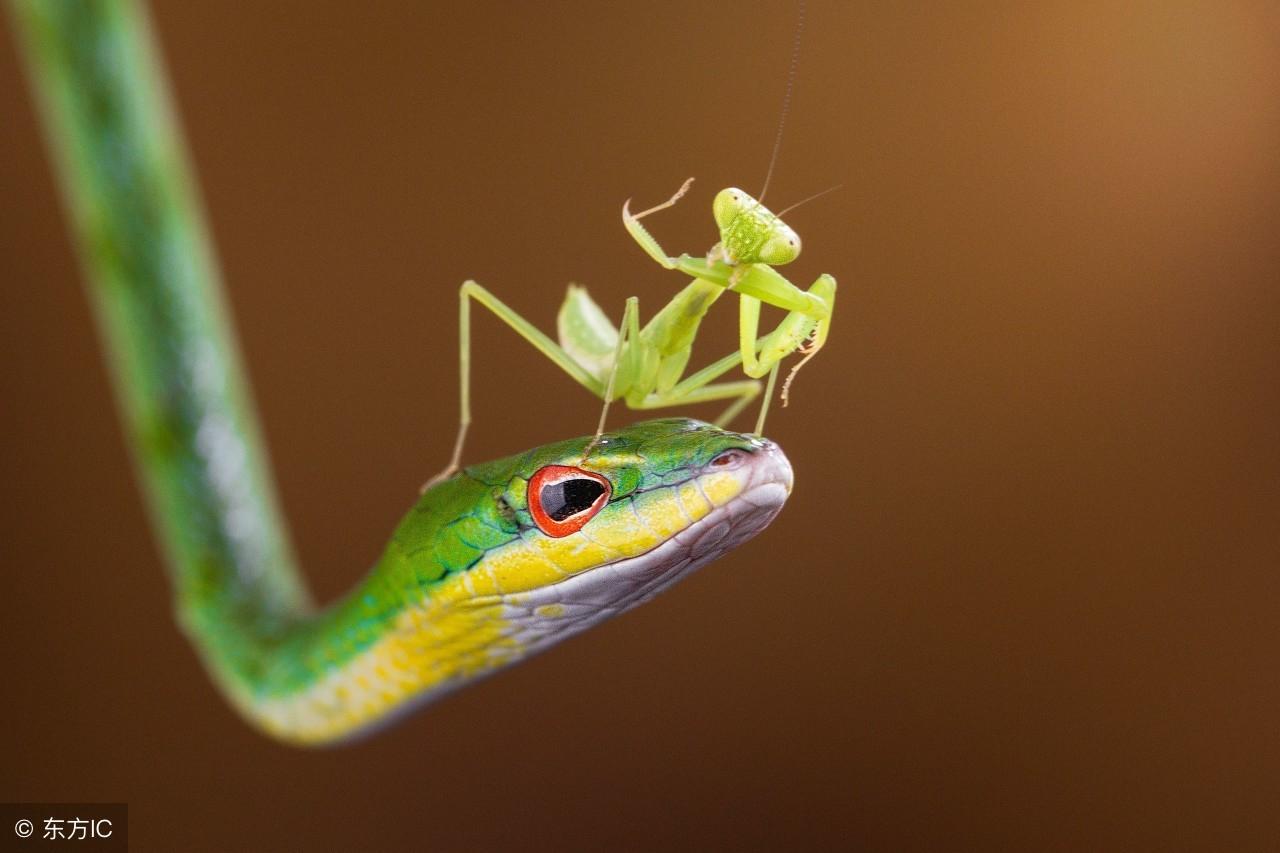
x: 543, y: 344
x: 744, y: 392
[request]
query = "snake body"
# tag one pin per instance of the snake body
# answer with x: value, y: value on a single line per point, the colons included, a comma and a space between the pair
x: 488, y: 567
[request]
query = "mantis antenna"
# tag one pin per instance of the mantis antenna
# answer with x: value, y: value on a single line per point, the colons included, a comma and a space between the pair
x: 786, y: 98
x: 820, y: 194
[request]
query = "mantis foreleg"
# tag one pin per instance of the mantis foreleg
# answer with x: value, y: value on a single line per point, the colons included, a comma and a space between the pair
x: 759, y: 358
x: 642, y: 236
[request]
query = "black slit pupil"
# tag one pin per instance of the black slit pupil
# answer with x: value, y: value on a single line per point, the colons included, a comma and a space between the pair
x: 569, y: 497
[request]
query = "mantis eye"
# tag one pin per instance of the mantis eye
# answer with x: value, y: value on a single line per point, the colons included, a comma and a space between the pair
x: 782, y: 248
x: 728, y: 204
x: 563, y: 498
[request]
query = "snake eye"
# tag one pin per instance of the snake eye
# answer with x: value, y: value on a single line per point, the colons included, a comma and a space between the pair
x: 562, y: 498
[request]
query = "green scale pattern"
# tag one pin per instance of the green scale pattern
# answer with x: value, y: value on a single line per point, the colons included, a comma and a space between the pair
x: 452, y: 527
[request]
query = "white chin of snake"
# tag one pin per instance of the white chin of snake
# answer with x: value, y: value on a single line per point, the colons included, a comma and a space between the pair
x: 593, y: 596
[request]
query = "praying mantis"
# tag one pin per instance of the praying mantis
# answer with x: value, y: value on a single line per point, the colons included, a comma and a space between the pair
x: 644, y: 365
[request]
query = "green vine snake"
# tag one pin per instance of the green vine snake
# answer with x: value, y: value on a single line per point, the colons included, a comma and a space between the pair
x: 487, y: 568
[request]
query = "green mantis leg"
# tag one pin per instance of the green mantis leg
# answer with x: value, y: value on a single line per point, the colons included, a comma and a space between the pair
x: 694, y: 389
x: 543, y: 344
x: 626, y: 360
x: 745, y: 391
x: 638, y: 232
x: 760, y: 358
x: 630, y: 327
x: 768, y: 396
x: 797, y: 332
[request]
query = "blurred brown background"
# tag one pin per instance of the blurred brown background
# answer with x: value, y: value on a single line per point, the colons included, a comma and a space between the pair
x: 1025, y: 593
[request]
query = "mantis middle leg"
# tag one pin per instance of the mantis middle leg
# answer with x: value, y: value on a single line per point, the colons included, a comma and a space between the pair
x: 471, y: 290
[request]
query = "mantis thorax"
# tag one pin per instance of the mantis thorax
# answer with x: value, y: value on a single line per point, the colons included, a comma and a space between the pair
x: 750, y: 233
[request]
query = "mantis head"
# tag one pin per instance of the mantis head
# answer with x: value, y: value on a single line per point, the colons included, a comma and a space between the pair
x: 750, y: 233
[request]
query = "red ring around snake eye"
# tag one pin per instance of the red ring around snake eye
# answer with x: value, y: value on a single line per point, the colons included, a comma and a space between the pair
x: 563, y: 498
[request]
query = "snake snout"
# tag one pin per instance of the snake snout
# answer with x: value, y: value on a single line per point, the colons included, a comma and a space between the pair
x: 770, y: 467
x: 761, y: 463
x: 765, y: 479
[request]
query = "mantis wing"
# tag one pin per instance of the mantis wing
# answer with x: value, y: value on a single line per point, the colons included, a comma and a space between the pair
x: 586, y: 333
